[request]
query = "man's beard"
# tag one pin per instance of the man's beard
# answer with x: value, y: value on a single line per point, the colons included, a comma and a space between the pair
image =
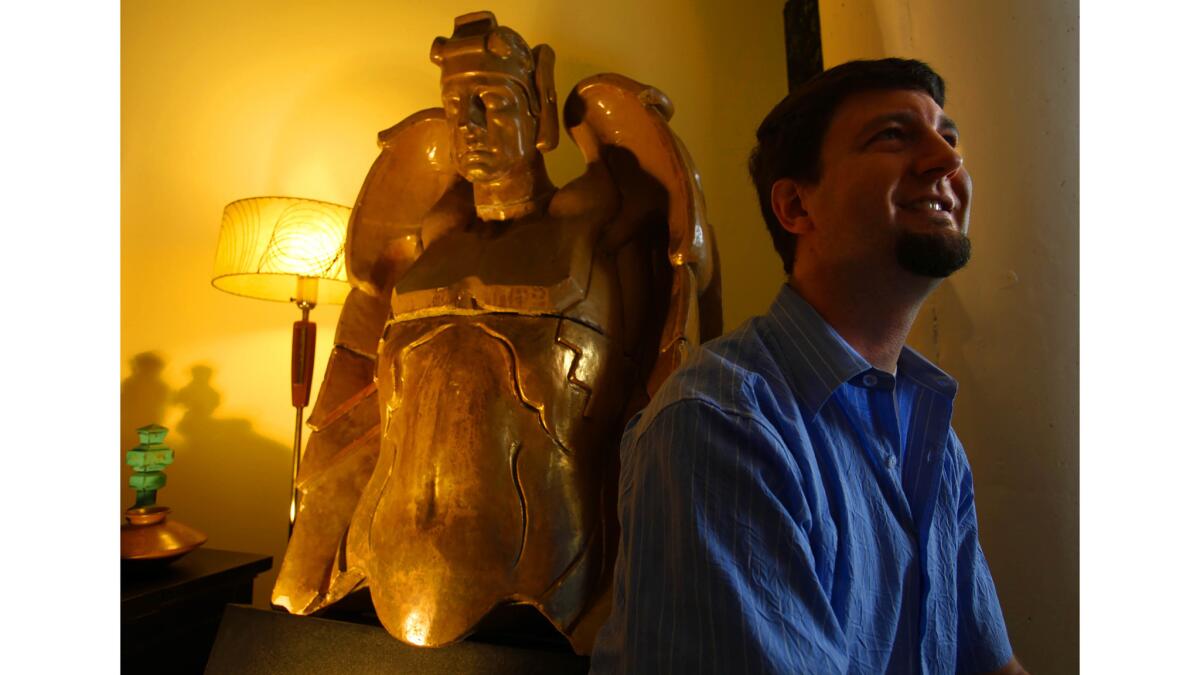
x: 933, y: 254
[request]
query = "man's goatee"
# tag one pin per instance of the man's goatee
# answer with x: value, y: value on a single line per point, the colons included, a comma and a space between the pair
x: 933, y: 254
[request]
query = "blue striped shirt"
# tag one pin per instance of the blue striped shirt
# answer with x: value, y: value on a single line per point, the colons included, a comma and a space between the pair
x: 787, y: 508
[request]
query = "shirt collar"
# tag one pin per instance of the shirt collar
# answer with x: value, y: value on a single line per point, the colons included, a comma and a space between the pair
x: 917, y: 368
x: 817, y: 360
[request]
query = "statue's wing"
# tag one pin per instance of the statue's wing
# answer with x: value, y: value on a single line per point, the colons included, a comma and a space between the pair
x: 621, y: 127
x: 413, y: 173
x: 405, y: 188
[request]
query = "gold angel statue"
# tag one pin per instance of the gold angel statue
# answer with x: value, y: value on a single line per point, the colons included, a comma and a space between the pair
x: 501, y: 332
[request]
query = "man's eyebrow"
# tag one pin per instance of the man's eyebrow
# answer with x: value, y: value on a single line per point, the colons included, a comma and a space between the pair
x: 880, y: 120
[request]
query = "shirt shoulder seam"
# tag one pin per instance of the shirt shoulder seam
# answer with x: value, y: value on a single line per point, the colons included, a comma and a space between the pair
x: 724, y: 410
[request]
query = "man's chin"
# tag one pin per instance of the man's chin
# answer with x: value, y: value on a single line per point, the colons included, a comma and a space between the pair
x: 936, y: 253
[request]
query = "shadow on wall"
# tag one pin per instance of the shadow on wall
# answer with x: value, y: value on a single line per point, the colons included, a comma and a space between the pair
x: 942, y: 329
x: 227, y: 481
x: 144, y: 397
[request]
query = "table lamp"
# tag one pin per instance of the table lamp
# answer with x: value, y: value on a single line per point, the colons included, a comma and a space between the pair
x: 286, y: 249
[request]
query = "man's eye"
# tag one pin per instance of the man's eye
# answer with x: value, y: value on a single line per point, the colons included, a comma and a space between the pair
x: 951, y: 140
x: 889, y: 134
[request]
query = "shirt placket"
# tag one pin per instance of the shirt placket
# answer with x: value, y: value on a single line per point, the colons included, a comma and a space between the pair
x: 885, y: 409
x: 867, y: 422
x: 931, y: 427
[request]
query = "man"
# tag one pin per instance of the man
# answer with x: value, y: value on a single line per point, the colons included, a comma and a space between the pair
x: 793, y: 500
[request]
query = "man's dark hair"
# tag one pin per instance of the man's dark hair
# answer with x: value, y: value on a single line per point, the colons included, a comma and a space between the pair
x: 790, y: 138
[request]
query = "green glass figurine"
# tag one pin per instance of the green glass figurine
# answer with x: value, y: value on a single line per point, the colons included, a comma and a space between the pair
x: 148, y: 460
x: 147, y: 534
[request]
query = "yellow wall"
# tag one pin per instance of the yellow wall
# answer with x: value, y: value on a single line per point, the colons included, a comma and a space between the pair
x: 222, y: 100
x: 1007, y: 326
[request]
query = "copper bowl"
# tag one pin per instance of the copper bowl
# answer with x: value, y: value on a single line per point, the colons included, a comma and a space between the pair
x: 148, y: 535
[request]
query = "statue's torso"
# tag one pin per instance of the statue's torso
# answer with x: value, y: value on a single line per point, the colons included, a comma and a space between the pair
x: 502, y: 390
x: 548, y: 266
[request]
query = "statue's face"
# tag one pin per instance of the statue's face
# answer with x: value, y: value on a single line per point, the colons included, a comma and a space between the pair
x: 494, y: 131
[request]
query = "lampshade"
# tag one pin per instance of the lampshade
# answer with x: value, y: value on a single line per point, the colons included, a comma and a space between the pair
x: 283, y: 248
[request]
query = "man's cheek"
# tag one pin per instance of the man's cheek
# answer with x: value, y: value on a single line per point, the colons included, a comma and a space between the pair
x: 963, y: 185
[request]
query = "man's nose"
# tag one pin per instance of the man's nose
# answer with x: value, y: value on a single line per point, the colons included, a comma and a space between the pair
x: 938, y: 158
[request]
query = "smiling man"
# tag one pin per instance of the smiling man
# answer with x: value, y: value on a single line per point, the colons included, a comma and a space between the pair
x: 793, y: 500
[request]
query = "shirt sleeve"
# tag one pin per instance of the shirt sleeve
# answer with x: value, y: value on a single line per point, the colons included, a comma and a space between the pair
x: 714, y: 572
x: 982, y: 637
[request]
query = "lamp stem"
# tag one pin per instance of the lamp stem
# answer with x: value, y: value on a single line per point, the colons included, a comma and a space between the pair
x: 295, y: 470
x: 304, y: 338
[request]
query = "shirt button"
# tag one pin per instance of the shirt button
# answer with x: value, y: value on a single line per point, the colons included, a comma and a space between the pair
x: 890, y: 462
x: 870, y: 380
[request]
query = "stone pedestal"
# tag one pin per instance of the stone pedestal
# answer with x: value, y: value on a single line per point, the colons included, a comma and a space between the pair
x: 261, y: 641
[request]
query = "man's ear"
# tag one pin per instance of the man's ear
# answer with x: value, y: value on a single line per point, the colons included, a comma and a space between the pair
x: 788, y: 203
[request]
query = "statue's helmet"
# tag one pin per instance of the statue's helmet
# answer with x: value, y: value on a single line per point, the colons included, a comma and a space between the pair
x: 479, y: 46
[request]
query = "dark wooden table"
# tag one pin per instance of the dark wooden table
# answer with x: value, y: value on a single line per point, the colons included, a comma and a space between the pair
x: 170, y: 613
